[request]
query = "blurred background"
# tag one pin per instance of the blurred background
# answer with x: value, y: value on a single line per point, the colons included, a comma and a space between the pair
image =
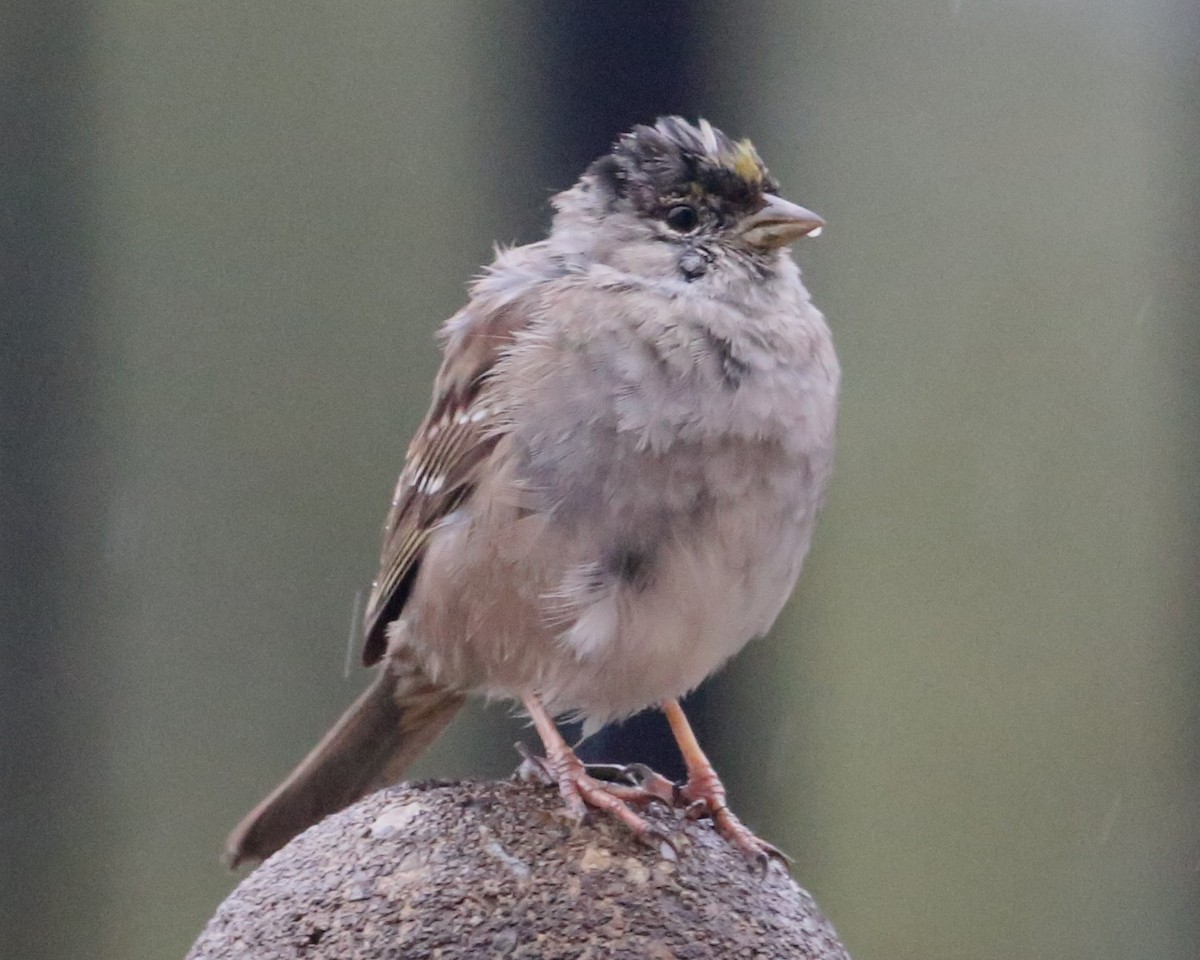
x: 228, y: 233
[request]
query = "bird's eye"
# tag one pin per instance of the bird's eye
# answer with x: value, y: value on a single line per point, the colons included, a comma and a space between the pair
x: 682, y: 218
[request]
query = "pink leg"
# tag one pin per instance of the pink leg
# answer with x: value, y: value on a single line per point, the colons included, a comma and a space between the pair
x: 580, y: 790
x: 706, y: 794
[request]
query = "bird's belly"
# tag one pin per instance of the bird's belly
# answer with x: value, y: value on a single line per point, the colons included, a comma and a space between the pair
x: 641, y: 585
x: 704, y: 599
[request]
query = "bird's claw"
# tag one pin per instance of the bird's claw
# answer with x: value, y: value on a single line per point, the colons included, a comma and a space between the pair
x: 756, y: 850
x: 696, y: 810
x: 703, y: 797
x: 532, y: 769
x: 609, y: 788
x: 650, y: 780
x: 627, y: 775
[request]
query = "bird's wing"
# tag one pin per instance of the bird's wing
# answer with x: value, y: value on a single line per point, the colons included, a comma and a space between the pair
x: 444, y: 460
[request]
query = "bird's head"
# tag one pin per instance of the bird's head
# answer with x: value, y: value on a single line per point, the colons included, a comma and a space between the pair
x: 707, y: 197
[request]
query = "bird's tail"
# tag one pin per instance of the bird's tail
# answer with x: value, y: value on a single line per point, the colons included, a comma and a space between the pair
x: 395, y: 719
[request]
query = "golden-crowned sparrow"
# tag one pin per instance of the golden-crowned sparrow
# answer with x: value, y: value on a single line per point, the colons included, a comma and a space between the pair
x: 614, y: 487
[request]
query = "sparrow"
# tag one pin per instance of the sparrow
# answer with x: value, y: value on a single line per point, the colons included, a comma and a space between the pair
x: 613, y: 490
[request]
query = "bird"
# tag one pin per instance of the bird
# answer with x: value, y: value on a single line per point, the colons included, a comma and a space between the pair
x: 614, y: 488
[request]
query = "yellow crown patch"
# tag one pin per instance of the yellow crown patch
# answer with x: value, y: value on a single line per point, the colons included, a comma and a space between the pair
x: 745, y: 162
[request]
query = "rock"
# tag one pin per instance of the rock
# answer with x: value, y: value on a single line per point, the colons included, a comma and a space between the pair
x: 470, y: 869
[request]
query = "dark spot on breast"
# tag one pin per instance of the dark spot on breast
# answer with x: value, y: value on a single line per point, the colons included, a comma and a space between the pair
x: 733, y: 369
x: 631, y: 566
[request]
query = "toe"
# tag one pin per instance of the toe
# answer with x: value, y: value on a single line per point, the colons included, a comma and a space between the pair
x: 757, y: 851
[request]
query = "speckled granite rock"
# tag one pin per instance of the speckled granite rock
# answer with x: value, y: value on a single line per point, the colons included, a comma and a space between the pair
x: 455, y: 870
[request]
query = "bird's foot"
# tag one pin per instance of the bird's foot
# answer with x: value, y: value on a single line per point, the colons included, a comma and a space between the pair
x: 610, y: 789
x: 704, y: 796
x: 650, y: 783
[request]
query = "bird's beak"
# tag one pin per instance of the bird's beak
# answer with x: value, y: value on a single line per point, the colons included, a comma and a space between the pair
x: 779, y: 222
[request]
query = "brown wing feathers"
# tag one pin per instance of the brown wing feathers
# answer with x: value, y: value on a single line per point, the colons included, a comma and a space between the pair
x: 458, y: 434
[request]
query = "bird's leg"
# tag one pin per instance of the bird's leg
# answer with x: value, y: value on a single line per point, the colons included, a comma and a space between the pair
x: 705, y: 794
x: 580, y: 790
